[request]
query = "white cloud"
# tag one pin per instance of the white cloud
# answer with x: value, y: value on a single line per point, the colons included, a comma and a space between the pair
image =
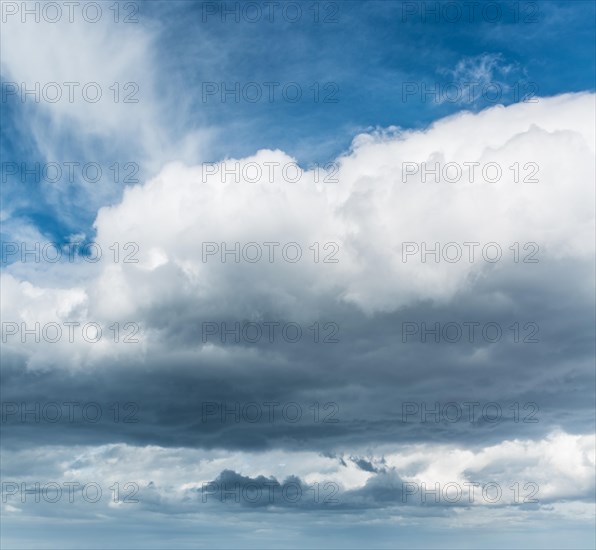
x: 370, y: 212
x: 561, y: 466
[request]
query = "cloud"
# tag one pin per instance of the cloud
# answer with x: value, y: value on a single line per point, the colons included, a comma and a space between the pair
x: 365, y: 378
x: 262, y: 327
x: 353, y: 390
x: 95, y: 97
x: 174, y: 481
x: 485, y: 77
x: 326, y: 240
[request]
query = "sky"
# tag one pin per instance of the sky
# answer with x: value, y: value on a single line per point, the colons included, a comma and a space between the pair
x: 297, y: 274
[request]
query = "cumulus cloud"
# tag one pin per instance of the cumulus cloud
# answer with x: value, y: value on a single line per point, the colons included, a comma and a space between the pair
x: 379, y: 208
x: 180, y: 221
x: 179, y: 480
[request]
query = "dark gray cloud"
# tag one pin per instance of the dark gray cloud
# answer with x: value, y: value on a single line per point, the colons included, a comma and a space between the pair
x: 368, y: 387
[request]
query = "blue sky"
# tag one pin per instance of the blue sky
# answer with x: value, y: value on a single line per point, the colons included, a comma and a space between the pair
x: 367, y: 55
x: 178, y: 292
